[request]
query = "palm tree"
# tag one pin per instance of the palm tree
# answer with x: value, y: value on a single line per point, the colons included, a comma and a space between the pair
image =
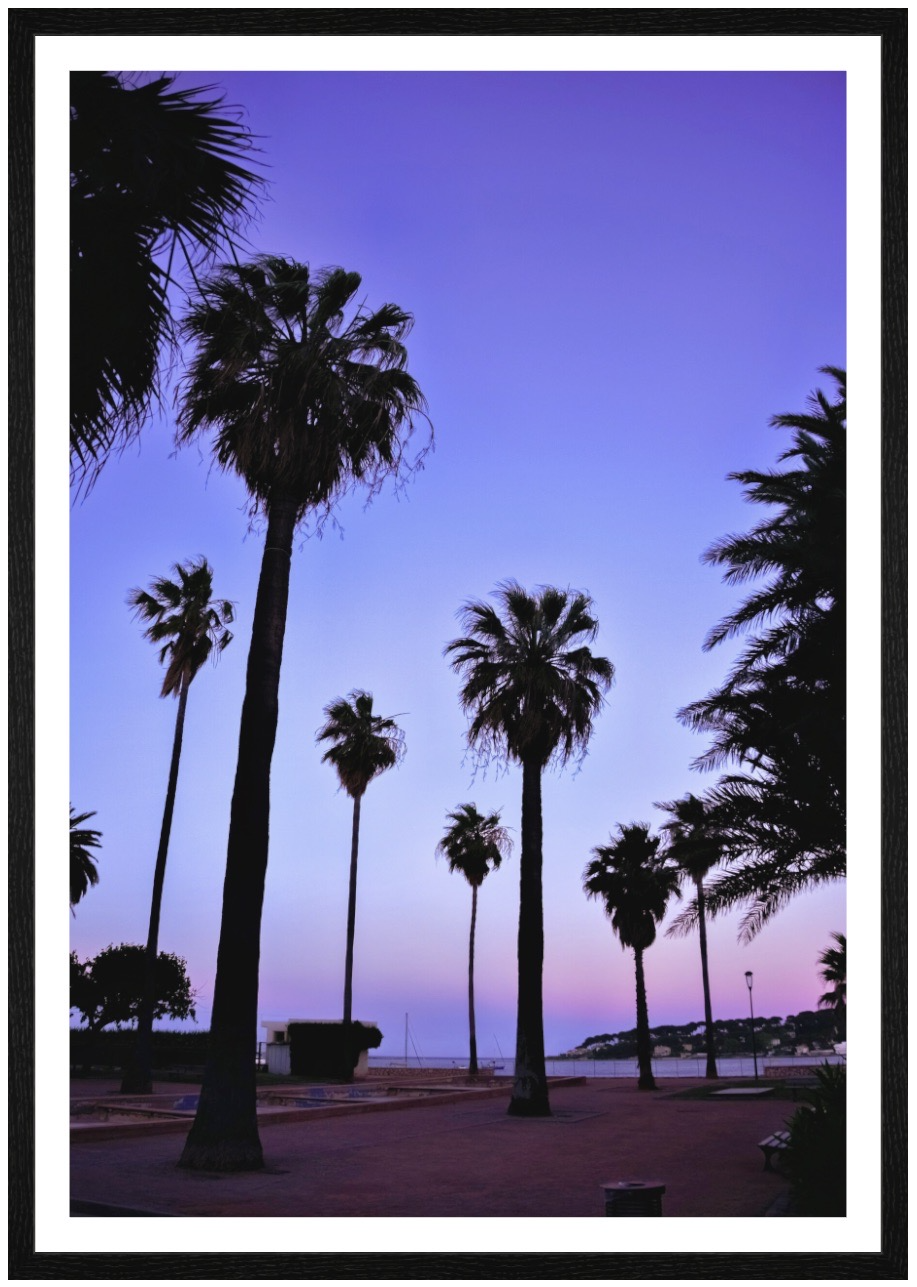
x: 532, y: 689
x: 695, y: 849
x: 780, y: 715
x: 777, y: 841
x: 833, y: 961
x: 305, y: 402
x: 635, y: 883
x: 190, y: 626
x: 83, y: 872
x: 363, y: 745
x: 155, y: 184
x: 475, y: 845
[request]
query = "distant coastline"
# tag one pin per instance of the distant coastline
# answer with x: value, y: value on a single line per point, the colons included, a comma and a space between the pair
x: 811, y: 1032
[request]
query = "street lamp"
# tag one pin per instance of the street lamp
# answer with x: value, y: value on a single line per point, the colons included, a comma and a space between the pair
x: 754, y: 1048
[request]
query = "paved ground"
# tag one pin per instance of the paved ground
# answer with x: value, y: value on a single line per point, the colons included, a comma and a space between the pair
x: 465, y: 1158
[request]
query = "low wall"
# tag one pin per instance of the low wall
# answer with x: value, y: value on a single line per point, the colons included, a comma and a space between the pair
x: 780, y: 1072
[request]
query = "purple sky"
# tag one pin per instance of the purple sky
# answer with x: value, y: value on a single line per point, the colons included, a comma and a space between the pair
x: 617, y: 279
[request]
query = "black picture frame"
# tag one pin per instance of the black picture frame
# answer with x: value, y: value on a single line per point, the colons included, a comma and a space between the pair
x: 890, y: 25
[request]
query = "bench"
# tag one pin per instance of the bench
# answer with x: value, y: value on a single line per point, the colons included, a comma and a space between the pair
x: 774, y: 1144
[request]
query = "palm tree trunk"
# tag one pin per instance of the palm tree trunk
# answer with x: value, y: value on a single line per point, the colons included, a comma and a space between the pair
x: 351, y: 914
x: 644, y: 1054
x: 224, y: 1136
x: 709, y: 1041
x: 138, y: 1077
x: 530, y: 1086
x: 473, y: 1042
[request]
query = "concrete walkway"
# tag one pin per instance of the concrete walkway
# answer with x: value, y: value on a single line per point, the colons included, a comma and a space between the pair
x: 463, y: 1158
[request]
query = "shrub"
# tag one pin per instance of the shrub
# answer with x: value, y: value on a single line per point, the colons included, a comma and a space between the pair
x: 815, y: 1158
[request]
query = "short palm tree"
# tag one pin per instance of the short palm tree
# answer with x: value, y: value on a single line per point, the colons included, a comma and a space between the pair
x: 695, y: 849
x: 833, y: 962
x: 190, y: 626
x: 156, y: 185
x: 306, y: 396
x: 363, y: 745
x: 83, y: 871
x: 533, y: 689
x: 634, y: 882
x: 475, y: 844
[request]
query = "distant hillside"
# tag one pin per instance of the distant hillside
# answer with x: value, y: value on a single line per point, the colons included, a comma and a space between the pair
x: 808, y: 1032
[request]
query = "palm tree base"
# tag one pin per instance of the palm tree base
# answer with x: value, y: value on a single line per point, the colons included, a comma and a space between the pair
x: 535, y: 1107
x: 222, y: 1155
x: 224, y: 1135
x: 135, y: 1082
x: 644, y: 1084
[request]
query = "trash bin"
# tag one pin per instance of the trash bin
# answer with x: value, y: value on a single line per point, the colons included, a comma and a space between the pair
x: 634, y: 1198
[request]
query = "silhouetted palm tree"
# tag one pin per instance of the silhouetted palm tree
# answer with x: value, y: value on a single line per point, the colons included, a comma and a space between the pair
x: 156, y: 185
x: 304, y: 403
x: 695, y: 848
x: 183, y: 617
x: 833, y: 962
x: 83, y: 872
x: 475, y: 845
x: 776, y: 844
x: 532, y: 689
x: 363, y: 746
x: 634, y: 882
x: 780, y: 717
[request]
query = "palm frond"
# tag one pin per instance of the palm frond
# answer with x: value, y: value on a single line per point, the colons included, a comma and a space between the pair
x: 181, y: 615
x: 363, y: 744
x: 152, y: 169
x: 307, y: 396
x: 779, y: 717
x: 633, y: 881
x: 530, y: 684
x: 694, y: 842
x: 474, y: 843
x: 83, y: 871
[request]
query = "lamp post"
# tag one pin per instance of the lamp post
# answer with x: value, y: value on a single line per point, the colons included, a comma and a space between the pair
x: 749, y: 978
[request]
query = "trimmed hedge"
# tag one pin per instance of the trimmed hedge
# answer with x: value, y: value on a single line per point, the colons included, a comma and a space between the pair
x: 329, y: 1049
x: 115, y: 1049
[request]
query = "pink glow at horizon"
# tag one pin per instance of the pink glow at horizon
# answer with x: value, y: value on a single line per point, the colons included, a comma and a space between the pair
x: 617, y: 280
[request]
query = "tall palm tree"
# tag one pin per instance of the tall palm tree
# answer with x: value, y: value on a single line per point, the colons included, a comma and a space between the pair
x: 156, y: 186
x: 634, y: 882
x: 475, y: 845
x: 695, y: 849
x: 833, y: 962
x: 532, y: 688
x: 191, y: 626
x: 307, y: 397
x: 363, y: 745
x: 83, y: 871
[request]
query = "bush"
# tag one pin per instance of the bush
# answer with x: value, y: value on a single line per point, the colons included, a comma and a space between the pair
x: 815, y: 1158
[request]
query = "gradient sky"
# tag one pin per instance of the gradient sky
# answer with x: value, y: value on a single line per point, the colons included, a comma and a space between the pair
x: 617, y: 279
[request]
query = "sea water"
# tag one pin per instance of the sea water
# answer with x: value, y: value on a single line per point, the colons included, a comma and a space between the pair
x: 691, y: 1066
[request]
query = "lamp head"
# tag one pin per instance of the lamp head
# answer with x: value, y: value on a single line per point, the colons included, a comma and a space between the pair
x: 748, y: 978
